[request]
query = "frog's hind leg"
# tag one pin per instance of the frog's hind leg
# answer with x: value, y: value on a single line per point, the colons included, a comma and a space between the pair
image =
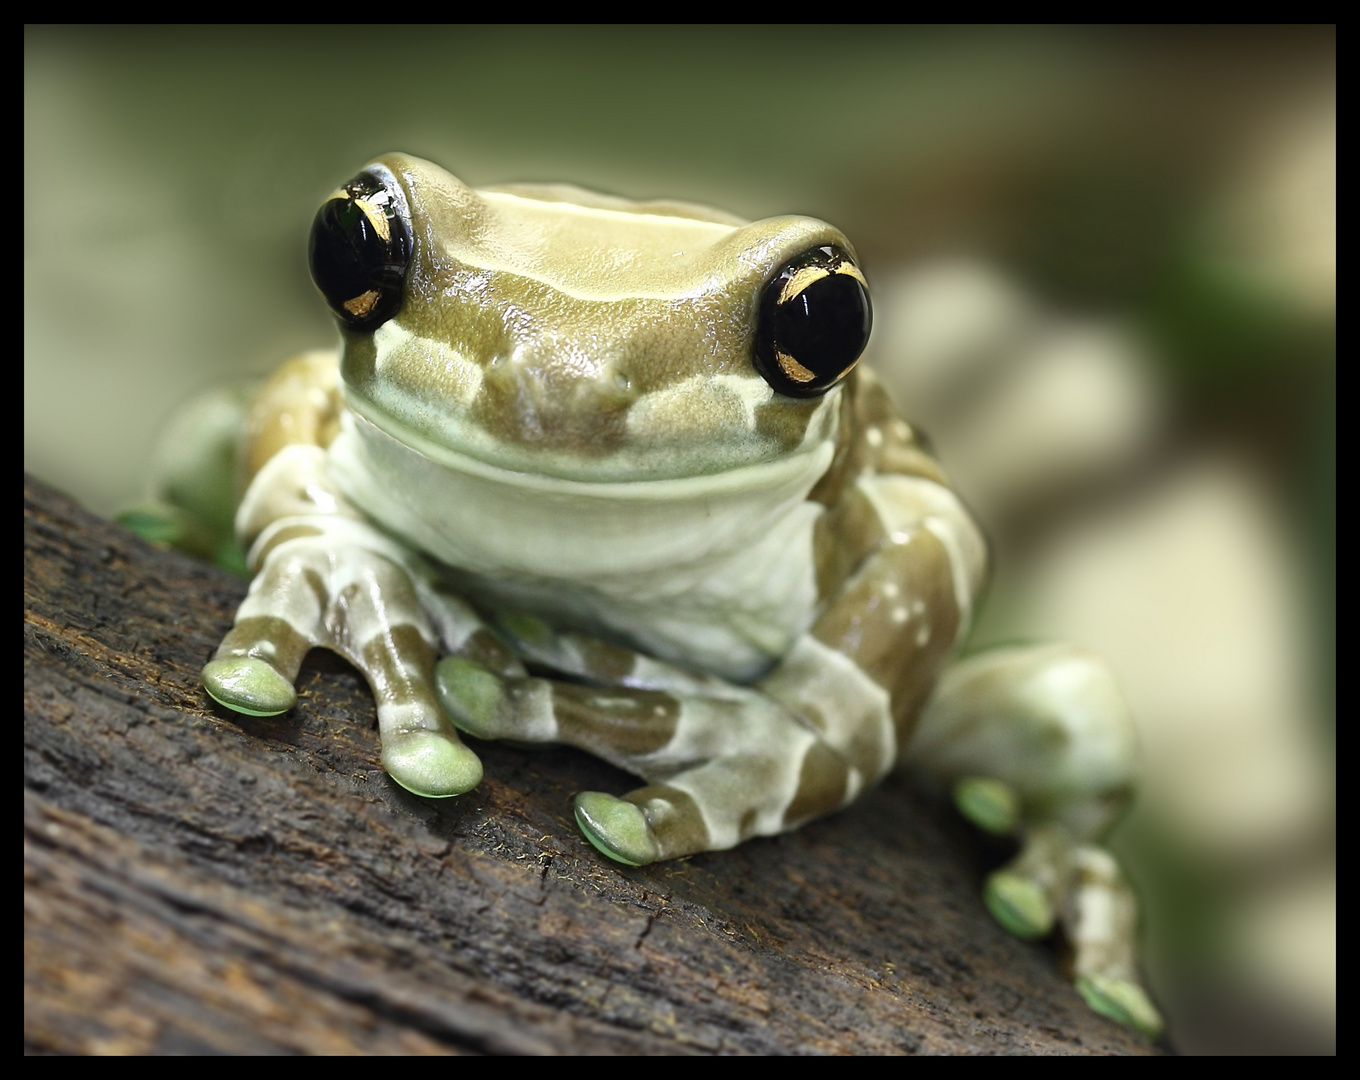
x: 1038, y: 742
x: 1100, y: 920
x: 191, y: 497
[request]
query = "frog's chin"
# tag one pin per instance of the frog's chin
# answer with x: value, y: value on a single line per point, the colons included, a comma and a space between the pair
x: 543, y: 468
x: 668, y: 565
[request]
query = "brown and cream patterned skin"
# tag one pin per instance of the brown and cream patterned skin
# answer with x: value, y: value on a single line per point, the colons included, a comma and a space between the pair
x: 559, y: 454
x: 728, y: 761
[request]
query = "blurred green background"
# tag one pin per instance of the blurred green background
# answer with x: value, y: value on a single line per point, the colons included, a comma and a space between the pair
x: 1171, y: 190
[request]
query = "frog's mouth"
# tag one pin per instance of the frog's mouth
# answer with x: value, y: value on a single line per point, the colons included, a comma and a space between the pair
x: 580, y: 429
x: 503, y: 524
x: 386, y: 438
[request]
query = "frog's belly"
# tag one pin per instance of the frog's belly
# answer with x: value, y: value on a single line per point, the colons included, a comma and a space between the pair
x: 714, y: 572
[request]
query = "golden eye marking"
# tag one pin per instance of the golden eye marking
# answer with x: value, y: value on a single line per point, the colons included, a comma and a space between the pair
x: 376, y: 218
x: 800, y: 280
x: 362, y: 304
x: 853, y: 271
x: 793, y: 369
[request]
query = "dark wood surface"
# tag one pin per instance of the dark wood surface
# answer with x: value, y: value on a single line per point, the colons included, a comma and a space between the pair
x: 199, y: 881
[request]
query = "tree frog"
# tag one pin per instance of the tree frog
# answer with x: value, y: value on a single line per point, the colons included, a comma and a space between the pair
x: 605, y: 473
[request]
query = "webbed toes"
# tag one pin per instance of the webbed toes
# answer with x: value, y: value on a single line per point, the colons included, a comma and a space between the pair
x: 617, y: 828
x: 429, y: 764
x: 248, y: 685
x: 1121, y: 1000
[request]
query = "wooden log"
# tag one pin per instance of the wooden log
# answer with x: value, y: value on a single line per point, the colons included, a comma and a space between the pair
x: 199, y: 881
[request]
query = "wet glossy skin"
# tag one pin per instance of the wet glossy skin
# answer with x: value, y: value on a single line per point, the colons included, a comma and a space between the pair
x: 566, y: 436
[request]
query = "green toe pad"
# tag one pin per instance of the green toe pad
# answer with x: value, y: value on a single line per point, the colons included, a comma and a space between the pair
x: 617, y: 828
x: 1018, y: 904
x: 473, y: 697
x: 432, y: 765
x: 154, y: 523
x: 525, y: 628
x: 248, y: 685
x: 1121, y: 1000
x: 988, y: 804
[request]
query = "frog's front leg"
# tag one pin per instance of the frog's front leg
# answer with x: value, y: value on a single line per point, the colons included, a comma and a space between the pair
x: 724, y: 762
x: 334, y: 588
x: 728, y: 762
x: 325, y: 577
x: 1039, y: 743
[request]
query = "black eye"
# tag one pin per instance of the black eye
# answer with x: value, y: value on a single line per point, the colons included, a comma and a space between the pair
x: 360, y: 249
x: 814, y: 322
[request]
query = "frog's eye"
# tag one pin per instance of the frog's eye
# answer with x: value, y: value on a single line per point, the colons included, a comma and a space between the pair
x: 360, y: 250
x: 814, y: 322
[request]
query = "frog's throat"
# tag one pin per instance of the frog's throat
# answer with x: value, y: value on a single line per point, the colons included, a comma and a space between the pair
x: 807, y: 463
x: 712, y: 571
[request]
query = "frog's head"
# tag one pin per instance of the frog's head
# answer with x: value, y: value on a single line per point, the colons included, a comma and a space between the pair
x: 550, y: 330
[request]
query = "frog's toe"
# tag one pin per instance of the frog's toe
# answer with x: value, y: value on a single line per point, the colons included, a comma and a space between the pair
x: 430, y: 764
x: 617, y: 828
x: 155, y: 523
x: 990, y: 804
x: 1019, y: 904
x: 474, y: 698
x: 249, y: 685
x: 1121, y: 1000
x: 525, y: 631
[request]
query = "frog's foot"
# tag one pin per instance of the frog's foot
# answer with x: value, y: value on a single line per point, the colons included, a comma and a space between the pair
x: 722, y: 768
x: 193, y: 476
x: 1099, y: 918
x: 249, y: 685
x: 1055, y: 881
x: 312, y: 592
x: 617, y: 828
x: 479, y: 701
x: 1039, y: 743
x: 424, y: 759
x: 1122, y: 1000
x: 166, y: 526
x: 257, y: 663
x: 1026, y: 895
x: 990, y: 804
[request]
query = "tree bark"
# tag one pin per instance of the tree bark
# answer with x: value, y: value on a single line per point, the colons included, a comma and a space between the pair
x: 200, y: 881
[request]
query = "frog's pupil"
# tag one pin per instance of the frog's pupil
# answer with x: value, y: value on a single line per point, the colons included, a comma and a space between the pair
x: 826, y: 325
x: 819, y: 330
x: 358, y: 270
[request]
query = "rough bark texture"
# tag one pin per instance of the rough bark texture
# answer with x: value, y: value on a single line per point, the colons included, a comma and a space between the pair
x: 200, y: 881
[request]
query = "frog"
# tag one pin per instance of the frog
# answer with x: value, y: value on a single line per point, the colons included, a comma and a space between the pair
x: 607, y: 473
